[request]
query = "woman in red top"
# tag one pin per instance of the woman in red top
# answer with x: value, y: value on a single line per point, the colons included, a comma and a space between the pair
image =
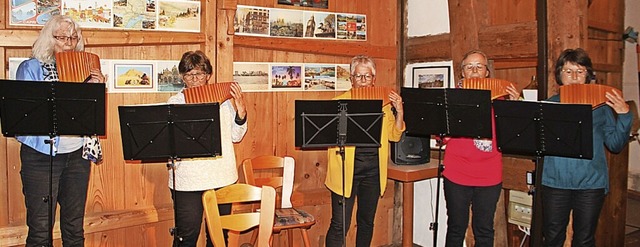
x: 473, y: 173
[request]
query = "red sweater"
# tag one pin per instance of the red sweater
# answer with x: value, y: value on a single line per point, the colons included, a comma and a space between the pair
x: 473, y: 162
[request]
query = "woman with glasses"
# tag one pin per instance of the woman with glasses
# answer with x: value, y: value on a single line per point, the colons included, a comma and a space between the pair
x: 580, y: 185
x: 71, y: 167
x: 195, y: 176
x: 365, y: 168
x: 473, y: 172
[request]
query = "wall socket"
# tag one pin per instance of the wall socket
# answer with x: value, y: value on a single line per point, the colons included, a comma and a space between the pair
x: 520, y: 208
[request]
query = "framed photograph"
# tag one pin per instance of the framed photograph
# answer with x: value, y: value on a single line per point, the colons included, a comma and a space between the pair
x: 431, y: 77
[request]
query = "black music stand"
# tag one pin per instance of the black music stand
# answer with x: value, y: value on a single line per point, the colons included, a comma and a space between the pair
x: 446, y: 112
x: 338, y: 123
x: 170, y: 132
x: 538, y: 129
x: 51, y: 109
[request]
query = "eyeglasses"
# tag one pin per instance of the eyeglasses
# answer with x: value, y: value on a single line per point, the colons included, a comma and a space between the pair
x: 366, y: 77
x: 477, y: 66
x: 578, y: 72
x: 66, y: 39
x: 198, y: 76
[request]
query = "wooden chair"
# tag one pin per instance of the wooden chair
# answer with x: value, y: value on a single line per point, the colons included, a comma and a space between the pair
x: 243, y: 221
x: 279, y: 172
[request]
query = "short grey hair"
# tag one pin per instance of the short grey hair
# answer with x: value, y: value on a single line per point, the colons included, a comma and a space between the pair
x: 362, y: 60
x: 43, y: 47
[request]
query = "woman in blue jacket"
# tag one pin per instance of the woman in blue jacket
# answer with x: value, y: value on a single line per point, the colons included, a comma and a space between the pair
x: 580, y: 185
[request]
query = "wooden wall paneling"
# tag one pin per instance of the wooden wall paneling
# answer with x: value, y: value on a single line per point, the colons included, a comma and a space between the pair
x: 509, y: 12
x: 567, y: 28
x: 428, y: 48
x: 4, y: 180
x: 326, y: 47
x: 465, y: 23
x: 509, y: 40
x: 606, y: 15
x: 614, y: 209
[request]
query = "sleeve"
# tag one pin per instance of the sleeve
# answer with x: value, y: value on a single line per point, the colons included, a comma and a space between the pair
x: 177, y: 99
x: 237, y: 130
x: 616, y: 133
x: 28, y: 71
x: 394, y: 133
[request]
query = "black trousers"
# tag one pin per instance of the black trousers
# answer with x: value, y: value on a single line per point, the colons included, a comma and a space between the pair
x: 189, y: 211
x: 557, y: 206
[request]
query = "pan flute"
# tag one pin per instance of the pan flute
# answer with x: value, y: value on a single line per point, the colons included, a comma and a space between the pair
x: 216, y: 92
x: 372, y: 93
x: 497, y: 87
x: 588, y: 94
x: 75, y: 66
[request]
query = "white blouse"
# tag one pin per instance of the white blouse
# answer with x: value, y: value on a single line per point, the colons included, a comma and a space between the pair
x: 210, y: 173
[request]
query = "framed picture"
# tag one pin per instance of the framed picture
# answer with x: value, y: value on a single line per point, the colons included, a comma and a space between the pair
x: 431, y: 77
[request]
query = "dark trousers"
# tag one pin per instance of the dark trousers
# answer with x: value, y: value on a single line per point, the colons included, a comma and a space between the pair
x: 557, y: 205
x: 483, y: 200
x: 189, y: 211
x: 70, y: 182
x: 366, y: 189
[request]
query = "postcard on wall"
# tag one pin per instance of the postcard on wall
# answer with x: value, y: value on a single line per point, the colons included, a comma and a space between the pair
x: 286, y: 23
x: 169, y: 79
x: 319, y: 77
x: 251, y: 21
x: 321, y: 4
x: 431, y: 77
x: 134, y: 14
x: 252, y: 77
x: 32, y: 12
x: 89, y: 14
x: 351, y: 27
x: 133, y: 76
x: 343, y: 77
x: 179, y: 15
x: 286, y: 76
x: 319, y: 25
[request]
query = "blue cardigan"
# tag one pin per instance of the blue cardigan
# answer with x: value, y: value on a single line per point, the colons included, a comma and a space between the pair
x: 577, y: 174
x: 31, y: 70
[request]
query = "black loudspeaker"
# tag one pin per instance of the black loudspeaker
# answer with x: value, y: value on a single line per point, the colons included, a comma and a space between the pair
x: 411, y: 150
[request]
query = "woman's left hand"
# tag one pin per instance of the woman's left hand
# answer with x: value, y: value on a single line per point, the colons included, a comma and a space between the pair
x: 396, y: 101
x: 616, y: 102
x: 514, y: 94
x: 236, y: 92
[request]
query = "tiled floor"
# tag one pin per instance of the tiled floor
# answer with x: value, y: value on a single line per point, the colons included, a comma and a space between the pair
x: 632, y: 229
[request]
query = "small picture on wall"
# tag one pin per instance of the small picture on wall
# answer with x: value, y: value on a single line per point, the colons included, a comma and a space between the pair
x: 251, y: 21
x: 286, y: 76
x: 319, y: 77
x: 286, y: 23
x: 321, y: 4
x: 83, y: 12
x: 343, y: 77
x: 319, y: 25
x: 179, y: 15
x: 431, y: 77
x: 251, y: 76
x: 169, y: 79
x: 351, y: 27
x: 133, y: 76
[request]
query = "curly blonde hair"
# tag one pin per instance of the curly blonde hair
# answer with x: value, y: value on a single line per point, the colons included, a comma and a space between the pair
x: 43, y: 47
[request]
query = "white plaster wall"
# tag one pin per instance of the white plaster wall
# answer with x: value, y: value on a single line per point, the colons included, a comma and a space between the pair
x: 630, y: 87
x: 427, y: 18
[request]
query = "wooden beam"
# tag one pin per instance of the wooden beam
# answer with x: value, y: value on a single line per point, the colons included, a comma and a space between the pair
x: 465, y: 25
x: 93, y: 38
x: 605, y: 26
x: 515, y: 63
x: 96, y: 222
x: 428, y: 48
x: 604, y: 67
x: 318, y: 47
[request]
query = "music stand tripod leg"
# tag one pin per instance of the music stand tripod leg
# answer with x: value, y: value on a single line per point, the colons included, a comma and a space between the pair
x: 434, y: 226
x: 48, y: 199
x: 344, y: 199
x: 174, y: 230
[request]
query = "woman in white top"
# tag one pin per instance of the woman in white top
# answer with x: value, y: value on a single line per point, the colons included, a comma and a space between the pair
x: 194, y: 177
